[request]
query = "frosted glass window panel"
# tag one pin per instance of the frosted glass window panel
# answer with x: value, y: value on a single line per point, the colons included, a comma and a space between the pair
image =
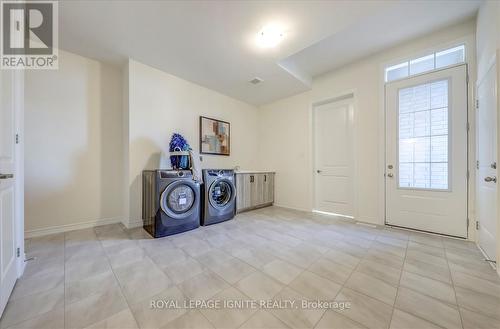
x: 450, y: 56
x: 421, y: 100
x: 422, y: 123
x: 423, y: 136
x: 396, y: 72
x: 439, y: 148
x: 406, y: 174
x: 422, y: 175
x: 405, y: 100
x: 439, y: 176
x: 439, y: 94
x: 439, y: 121
x: 422, y: 64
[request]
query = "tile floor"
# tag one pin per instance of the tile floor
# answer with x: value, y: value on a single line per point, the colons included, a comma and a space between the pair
x: 107, y: 277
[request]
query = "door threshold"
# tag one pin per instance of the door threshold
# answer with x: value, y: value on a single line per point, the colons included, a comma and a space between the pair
x: 426, y: 232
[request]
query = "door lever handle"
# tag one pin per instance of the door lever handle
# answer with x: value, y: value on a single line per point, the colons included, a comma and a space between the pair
x: 390, y: 175
x: 6, y: 176
x: 490, y: 179
x: 318, y: 171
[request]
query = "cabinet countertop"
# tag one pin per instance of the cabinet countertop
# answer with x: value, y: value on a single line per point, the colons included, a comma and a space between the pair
x: 253, y: 171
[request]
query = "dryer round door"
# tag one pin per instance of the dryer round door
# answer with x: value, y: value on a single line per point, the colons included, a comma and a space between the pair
x: 221, y: 193
x: 178, y: 199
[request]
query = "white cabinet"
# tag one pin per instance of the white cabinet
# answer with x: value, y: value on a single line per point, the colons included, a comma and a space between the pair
x: 254, y: 190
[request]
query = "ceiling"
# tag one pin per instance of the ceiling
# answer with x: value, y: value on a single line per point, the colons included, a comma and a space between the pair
x: 212, y: 43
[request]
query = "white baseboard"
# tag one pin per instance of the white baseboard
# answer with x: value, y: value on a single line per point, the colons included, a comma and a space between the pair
x: 70, y: 227
x: 291, y: 208
x: 133, y: 223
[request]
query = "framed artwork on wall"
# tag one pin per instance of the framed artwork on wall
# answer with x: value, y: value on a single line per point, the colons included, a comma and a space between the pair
x: 215, y: 136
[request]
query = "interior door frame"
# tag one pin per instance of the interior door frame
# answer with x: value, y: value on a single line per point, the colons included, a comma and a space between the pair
x: 479, y: 80
x: 19, y: 80
x: 348, y: 94
x: 470, y: 179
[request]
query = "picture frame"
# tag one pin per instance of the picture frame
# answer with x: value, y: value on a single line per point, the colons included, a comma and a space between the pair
x: 215, y: 136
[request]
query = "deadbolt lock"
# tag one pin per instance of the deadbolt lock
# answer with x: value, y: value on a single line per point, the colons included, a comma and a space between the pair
x: 390, y: 166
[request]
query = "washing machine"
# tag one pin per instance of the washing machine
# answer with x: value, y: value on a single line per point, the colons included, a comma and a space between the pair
x: 219, y: 196
x: 171, y: 202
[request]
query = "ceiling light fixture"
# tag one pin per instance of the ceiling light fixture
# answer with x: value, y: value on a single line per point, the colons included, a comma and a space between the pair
x: 270, y: 36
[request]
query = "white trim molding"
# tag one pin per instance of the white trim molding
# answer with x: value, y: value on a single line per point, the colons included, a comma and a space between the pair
x: 70, y: 227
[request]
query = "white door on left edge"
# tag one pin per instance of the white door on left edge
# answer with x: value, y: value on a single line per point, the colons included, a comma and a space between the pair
x: 8, y: 270
x: 426, y: 136
x: 334, y: 164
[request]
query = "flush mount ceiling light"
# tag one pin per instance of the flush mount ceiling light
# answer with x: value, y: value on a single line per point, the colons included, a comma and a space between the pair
x: 270, y: 36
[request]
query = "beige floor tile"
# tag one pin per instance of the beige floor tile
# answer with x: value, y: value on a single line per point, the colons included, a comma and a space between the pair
x: 436, y: 272
x: 298, y: 316
x: 428, y: 239
x: 393, y: 241
x: 282, y: 271
x: 372, y: 287
x: 403, y: 320
x: 203, y: 285
x: 190, y: 320
x: 473, y: 320
x: 385, y: 258
x: 428, y: 308
x: 84, y: 251
x: 94, y: 308
x: 150, y: 317
x: 36, y: 284
x: 426, y: 258
x: 314, y: 287
x: 388, y: 248
x: 233, y: 270
x: 120, y: 320
x: 434, y: 251
x: 387, y: 274
x: 227, y: 317
x: 50, y: 320
x: 483, y: 271
x: 478, y: 302
x: 365, y: 310
x: 169, y: 256
x: 342, y: 258
x: 183, y: 270
x: 257, y: 258
x: 156, y: 246
x: 196, y: 248
x: 259, y: 286
x: 36, y: 267
x: 429, y: 287
x: 477, y: 284
x: 264, y: 320
x: 81, y: 270
x: 213, y: 257
x: 334, y: 320
x: 141, y: 279
x: 331, y: 270
x: 30, y: 306
x: 78, y: 290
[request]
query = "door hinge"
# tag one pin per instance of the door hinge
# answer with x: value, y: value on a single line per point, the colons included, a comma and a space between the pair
x: 477, y: 225
x: 18, y: 252
x: 468, y: 174
x: 477, y: 164
x: 477, y: 103
x: 17, y: 138
x: 467, y: 78
x: 468, y: 126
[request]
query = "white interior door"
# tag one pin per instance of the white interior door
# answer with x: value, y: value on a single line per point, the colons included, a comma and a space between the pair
x: 486, y: 203
x: 8, y: 259
x: 426, y: 152
x: 334, y: 161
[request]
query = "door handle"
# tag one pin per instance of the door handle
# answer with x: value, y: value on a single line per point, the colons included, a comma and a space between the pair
x: 490, y: 179
x: 6, y: 176
x: 390, y: 175
x: 318, y: 171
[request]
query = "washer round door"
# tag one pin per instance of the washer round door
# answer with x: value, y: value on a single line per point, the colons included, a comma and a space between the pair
x: 221, y: 193
x: 178, y: 199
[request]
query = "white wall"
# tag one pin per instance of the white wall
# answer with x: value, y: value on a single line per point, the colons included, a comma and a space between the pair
x: 161, y: 104
x: 488, y: 45
x: 285, y: 126
x: 73, y: 146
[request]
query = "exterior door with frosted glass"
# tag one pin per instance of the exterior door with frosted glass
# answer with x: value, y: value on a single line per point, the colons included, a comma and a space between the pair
x: 426, y: 152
